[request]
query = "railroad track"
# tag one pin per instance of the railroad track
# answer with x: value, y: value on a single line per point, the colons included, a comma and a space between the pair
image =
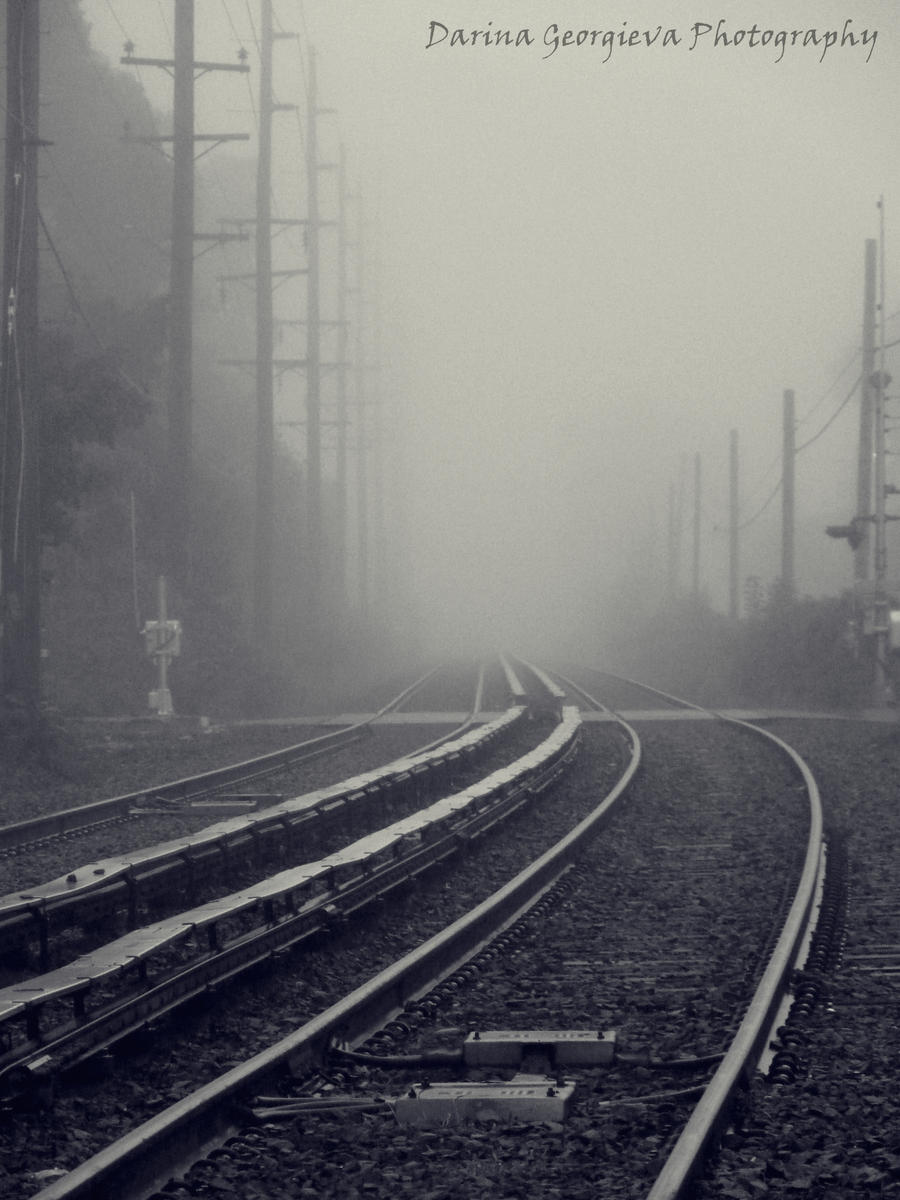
x: 308, y: 898
x: 425, y: 1009
x: 125, y: 890
x: 620, y: 693
x: 159, y: 967
x: 22, y: 836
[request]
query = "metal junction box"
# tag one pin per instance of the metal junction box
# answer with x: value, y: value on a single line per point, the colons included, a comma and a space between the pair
x: 566, y: 1047
x: 523, y: 1098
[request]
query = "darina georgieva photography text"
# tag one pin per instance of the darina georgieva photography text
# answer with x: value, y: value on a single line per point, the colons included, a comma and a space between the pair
x: 714, y: 35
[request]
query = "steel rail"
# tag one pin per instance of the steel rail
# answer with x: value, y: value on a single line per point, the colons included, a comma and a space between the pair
x: 686, y: 1158
x: 344, y: 881
x: 123, y: 882
x: 148, y: 1156
x: 99, y: 811
x: 466, y: 724
x: 677, y: 701
x: 112, y: 1021
x: 543, y: 678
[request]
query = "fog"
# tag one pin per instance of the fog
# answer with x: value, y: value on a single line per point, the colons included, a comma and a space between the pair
x: 592, y: 263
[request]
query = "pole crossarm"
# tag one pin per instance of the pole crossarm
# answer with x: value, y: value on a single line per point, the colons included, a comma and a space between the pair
x: 272, y: 221
x: 168, y: 64
x: 288, y: 364
x: 302, y: 321
x: 149, y: 139
x: 285, y: 274
x: 283, y: 364
x: 326, y: 424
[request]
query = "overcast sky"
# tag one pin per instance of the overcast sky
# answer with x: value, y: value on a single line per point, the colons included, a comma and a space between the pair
x: 596, y: 260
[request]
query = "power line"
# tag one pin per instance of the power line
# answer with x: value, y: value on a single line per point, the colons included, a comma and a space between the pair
x: 759, y: 512
x: 104, y: 349
x: 840, y: 408
x: 166, y: 26
x: 831, y: 387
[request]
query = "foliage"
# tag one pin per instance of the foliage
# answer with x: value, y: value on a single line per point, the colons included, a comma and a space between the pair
x: 800, y: 653
x: 83, y: 402
x: 790, y: 653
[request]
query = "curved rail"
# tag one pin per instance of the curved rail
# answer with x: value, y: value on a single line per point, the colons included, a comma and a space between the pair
x: 674, y: 1180
x: 676, y: 701
x: 289, y: 906
x: 466, y: 724
x: 128, y: 880
x: 682, y: 1165
x: 69, y: 819
x: 143, y: 1159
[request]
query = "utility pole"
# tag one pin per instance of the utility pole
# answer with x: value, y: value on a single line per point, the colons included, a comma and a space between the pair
x: 362, y: 483
x: 184, y: 69
x: 671, y: 552
x: 881, y: 613
x: 376, y: 439
x: 862, y: 555
x: 20, y: 546
x: 265, y: 348
x: 181, y: 293
x: 787, y: 498
x: 340, y: 533
x: 733, y: 547
x: 695, y: 572
x: 265, y: 345
x: 313, y: 360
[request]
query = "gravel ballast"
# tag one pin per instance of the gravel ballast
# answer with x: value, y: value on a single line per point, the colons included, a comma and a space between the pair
x: 259, y: 1011
x: 833, y: 1132
x: 830, y: 1134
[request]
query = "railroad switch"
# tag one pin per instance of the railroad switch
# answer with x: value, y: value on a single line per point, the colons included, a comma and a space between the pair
x: 562, y: 1047
x: 522, y: 1098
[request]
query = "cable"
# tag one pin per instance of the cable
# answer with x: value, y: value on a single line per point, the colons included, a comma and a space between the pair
x: 778, y: 486
x: 104, y: 349
x: 166, y: 27
x: 759, y: 512
x: 830, y: 389
x: 840, y: 408
x: 115, y: 17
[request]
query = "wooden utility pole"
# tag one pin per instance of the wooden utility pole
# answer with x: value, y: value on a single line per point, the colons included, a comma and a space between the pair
x: 181, y: 289
x: 376, y: 441
x: 340, y: 531
x: 862, y: 555
x: 265, y: 348
x: 787, y: 498
x: 265, y: 345
x: 671, y: 544
x: 313, y: 361
x: 181, y: 294
x: 362, y: 482
x: 20, y: 546
x: 695, y: 572
x: 734, y: 595
x: 881, y: 615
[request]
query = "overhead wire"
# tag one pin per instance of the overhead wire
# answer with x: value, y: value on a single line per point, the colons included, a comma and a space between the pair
x: 797, y: 450
x: 853, y: 357
x: 759, y: 512
x: 87, y: 219
x: 166, y: 26
x: 70, y: 287
x: 128, y: 38
x: 115, y: 17
x: 23, y: 183
x: 840, y: 408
